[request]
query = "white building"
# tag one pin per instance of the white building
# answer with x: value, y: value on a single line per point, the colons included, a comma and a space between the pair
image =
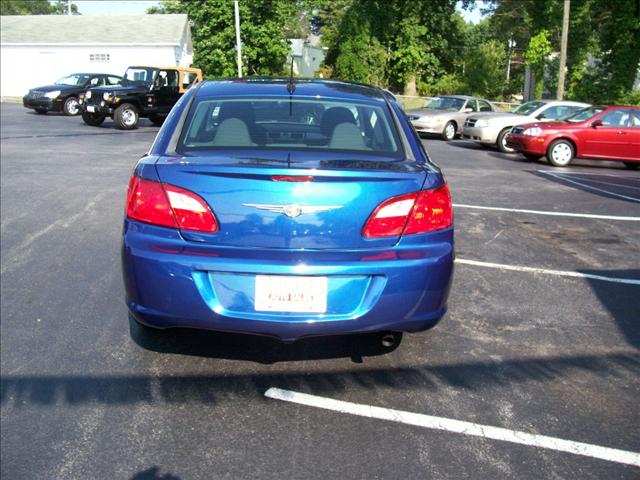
x: 307, y: 56
x: 39, y: 49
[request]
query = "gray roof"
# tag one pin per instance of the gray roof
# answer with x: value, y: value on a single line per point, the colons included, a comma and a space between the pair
x: 85, y: 29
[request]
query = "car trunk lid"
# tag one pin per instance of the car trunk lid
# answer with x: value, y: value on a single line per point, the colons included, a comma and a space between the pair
x: 289, y: 200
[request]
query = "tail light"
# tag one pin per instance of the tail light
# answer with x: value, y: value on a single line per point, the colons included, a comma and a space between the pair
x: 168, y: 206
x: 417, y: 212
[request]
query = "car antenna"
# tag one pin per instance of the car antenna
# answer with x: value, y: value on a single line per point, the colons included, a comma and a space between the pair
x: 291, y: 87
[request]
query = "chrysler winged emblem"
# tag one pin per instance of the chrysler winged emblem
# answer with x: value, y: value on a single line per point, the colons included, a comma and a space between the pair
x: 292, y: 211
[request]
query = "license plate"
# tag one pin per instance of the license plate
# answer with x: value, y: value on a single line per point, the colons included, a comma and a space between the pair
x: 91, y: 108
x: 278, y: 293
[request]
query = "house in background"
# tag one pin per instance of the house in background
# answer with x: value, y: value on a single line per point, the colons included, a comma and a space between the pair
x: 307, y: 56
x: 39, y: 49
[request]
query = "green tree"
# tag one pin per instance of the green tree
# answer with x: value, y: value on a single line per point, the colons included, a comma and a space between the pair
x: 618, y: 59
x: 408, y: 40
x: 603, y: 55
x: 486, y: 69
x: 35, y: 7
x: 61, y: 8
x: 360, y: 56
x: 325, y: 17
x: 263, y: 34
x: 536, y: 57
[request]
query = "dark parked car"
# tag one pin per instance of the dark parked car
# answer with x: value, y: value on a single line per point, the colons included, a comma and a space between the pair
x: 290, y: 210
x: 62, y: 96
x: 605, y: 133
x: 145, y: 92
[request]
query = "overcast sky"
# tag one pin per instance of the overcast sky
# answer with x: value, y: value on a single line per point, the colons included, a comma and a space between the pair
x: 134, y: 7
x: 113, y: 7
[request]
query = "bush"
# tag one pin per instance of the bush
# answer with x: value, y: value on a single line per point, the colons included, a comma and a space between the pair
x: 449, y: 83
x: 629, y: 98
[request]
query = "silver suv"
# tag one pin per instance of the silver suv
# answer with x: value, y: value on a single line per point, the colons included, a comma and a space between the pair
x: 490, y: 129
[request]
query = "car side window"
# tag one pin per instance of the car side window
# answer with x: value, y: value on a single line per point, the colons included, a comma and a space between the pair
x: 95, y: 81
x: 615, y: 118
x: 559, y: 111
x: 472, y: 105
x: 113, y: 80
x: 167, y: 78
x: 188, y: 79
x: 635, y: 118
x: 484, y: 106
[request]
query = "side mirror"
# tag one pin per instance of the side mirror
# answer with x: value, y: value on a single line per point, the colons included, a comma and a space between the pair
x: 541, y: 116
x: 467, y: 110
x: 597, y: 123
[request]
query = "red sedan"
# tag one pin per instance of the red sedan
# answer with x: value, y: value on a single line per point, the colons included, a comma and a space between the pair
x: 607, y: 133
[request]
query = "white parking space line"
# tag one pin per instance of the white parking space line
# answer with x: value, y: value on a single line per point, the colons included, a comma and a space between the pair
x: 546, y: 271
x: 597, y: 174
x: 622, y: 185
x: 589, y: 187
x: 553, y: 214
x: 458, y: 426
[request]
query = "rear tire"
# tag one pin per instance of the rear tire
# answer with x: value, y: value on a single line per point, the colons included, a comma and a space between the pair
x: 501, y: 143
x: 70, y: 107
x: 531, y: 157
x: 449, y: 132
x: 126, y: 117
x: 41, y: 111
x: 560, y: 153
x: 93, y: 119
x: 632, y: 165
x: 157, y: 120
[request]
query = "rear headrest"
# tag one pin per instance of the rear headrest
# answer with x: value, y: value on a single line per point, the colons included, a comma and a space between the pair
x: 233, y: 132
x: 347, y: 136
x: 242, y: 110
x: 333, y: 117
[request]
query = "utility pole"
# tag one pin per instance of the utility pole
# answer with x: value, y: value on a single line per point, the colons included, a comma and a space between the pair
x: 68, y: 7
x: 238, y: 47
x: 563, y: 50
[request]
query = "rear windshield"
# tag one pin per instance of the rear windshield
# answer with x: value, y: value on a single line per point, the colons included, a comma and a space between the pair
x: 300, y: 123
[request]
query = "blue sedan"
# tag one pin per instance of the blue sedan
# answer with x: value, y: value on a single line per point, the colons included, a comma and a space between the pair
x: 288, y: 209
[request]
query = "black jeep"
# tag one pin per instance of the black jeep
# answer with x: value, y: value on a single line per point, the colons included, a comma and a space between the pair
x: 148, y: 92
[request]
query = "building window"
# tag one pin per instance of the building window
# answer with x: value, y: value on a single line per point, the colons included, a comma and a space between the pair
x: 98, y: 57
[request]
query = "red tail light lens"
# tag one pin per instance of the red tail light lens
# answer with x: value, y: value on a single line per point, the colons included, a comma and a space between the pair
x: 147, y: 202
x: 432, y: 211
x: 168, y: 206
x: 389, y: 219
x: 417, y: 212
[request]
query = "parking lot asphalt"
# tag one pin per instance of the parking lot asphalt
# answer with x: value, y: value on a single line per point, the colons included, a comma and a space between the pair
x: 85, y: 395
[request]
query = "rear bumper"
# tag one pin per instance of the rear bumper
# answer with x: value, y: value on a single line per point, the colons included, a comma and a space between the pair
x: 173, y: 283
x: 42, y: 103
x: 527, y: 144
x: 481, y: 135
